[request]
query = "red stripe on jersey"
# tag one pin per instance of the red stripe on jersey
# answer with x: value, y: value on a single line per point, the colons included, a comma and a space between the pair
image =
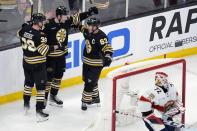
x: 142, y: 98
x: 160, y: 108
x: 157, y: 107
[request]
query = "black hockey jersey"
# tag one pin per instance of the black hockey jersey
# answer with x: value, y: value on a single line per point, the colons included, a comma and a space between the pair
x: 57, y: 33
x: 96, y: 47
x: 34, y: 45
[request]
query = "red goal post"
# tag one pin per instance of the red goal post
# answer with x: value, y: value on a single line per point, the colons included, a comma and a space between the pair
x: 164, y: 64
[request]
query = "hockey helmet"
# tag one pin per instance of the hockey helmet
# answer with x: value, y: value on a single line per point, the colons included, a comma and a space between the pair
x: 38, y: 17
x: 161, y: 79
x: 93, y: 21
x: 61, y: 10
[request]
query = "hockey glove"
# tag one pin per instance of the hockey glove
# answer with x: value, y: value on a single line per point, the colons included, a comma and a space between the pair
x: 93, y: 10
x: 172, y: 108
x: 107, y: 60
x: 61, y: 47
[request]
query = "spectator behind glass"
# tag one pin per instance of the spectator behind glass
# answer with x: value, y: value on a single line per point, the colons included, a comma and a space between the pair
x: 171, y: 2
x: 24, y: 9
x: 75, y: 6
x: 49, y: 7
x: 16, y: 13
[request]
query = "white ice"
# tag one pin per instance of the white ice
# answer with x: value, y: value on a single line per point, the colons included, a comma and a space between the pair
x: 71, y: 118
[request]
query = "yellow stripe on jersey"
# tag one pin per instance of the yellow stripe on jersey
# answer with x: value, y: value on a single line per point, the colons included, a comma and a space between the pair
x: 35, y: 60
x: 57, y: 53
x: 43, y: 49
x: 93, y: 62
x: 108, y: 48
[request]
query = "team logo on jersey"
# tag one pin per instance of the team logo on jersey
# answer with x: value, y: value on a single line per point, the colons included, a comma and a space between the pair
x: 61, y: 35
x: 88, y: 46
x: 151, y: 96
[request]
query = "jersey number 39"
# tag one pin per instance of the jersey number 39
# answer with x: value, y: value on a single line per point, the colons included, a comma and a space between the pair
x: 28, y: 44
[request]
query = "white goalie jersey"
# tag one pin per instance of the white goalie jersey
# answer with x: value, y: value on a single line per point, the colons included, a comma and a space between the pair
x: 161, y: 98
x: 158, y: 99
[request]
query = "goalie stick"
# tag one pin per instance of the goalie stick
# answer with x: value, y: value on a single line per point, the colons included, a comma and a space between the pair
x: 100, y: 5
x: 169, y: 123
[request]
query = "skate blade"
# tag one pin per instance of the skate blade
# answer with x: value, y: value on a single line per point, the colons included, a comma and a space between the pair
x: 26, y: 111
x: 39, y: 119
x: 54, y: 104
x: 94, y: 105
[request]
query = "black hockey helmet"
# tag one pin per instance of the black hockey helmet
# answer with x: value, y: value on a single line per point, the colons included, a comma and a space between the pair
x: 61, y: 10
x: 38, y: 17
x: 93, y: 21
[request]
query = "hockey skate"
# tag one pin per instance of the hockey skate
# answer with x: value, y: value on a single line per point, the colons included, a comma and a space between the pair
x: 41, y: 116
x: 55, y: 101
x: 96, y: 102
x: 26, y: 108
x: 84, y: 106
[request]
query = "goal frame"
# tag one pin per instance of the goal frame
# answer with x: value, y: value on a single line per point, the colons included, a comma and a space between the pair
x: 132, y: 73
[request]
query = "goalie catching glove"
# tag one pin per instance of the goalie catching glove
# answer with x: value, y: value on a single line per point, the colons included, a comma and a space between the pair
x: 173, y: 108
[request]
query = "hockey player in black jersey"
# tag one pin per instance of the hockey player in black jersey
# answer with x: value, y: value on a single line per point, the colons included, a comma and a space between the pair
x: 35, y: 49
x: 57, y: 30
x: 97, y: 54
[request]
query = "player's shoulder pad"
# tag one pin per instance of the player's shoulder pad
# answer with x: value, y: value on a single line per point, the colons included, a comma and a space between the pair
x: 150, y: 94
x: 172, y: 88
x: 101, y: 35
x: 49, y: 21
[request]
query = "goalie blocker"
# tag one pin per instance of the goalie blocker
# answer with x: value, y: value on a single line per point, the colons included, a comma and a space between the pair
x: 164, y: 99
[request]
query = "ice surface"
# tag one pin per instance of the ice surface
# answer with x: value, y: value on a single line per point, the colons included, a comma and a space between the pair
x: 71, y: 118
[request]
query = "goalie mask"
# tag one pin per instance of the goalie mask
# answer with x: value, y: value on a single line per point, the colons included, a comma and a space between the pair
x: 161, y: 79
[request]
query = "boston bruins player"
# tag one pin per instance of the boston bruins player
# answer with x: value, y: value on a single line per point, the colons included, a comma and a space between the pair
x: 97, y: 54
x: 35, y: 50
x: 57, y: 30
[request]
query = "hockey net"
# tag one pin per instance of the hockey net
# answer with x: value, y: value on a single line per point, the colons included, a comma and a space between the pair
x: 123, y: 86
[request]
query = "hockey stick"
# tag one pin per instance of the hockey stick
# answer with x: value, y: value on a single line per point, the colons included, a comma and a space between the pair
x: 169, y: 123
x: 123, y: 57
x: 100, y: 5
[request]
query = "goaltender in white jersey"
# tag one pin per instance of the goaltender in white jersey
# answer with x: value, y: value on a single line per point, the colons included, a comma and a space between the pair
x: 164, y: 100
x: 159, y: 105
